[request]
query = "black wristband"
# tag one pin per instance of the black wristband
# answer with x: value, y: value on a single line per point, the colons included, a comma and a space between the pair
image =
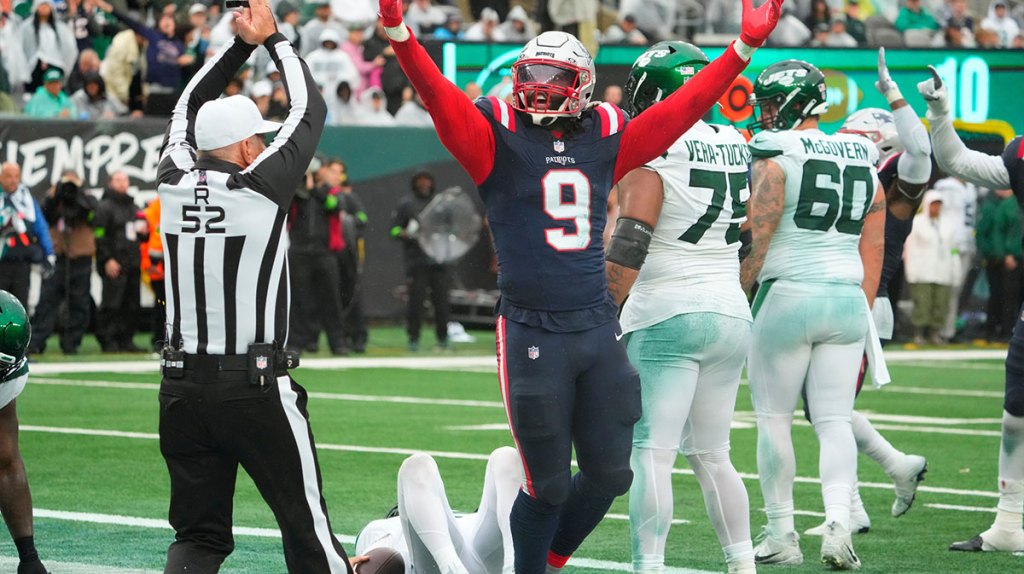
x: 629, y: 243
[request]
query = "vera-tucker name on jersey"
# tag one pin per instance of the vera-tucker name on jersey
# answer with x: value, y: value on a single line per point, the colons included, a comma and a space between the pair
x: 727, y: 155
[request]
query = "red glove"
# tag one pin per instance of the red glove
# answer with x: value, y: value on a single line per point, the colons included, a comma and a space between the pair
x: 757, y: 24
x: 391, y: 13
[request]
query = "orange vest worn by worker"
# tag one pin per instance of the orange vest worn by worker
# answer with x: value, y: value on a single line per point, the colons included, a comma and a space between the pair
x: 153, y: 249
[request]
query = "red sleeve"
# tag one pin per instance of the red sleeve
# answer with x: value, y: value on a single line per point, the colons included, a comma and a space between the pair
x: 655, y: 130
x: 462, y: 128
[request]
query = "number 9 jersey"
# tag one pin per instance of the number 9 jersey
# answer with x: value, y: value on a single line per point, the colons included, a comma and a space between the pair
x: 830, y: 184
x: 546, y: 201
x: 695, y: 247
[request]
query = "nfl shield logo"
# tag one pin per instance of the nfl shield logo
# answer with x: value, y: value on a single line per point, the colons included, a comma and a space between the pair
x: 559, y: 146
x: 261, y: 362
x: 533, y: 353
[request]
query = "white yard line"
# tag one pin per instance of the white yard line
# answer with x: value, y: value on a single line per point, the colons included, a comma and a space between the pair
x: 943, y: 392
x: 473, y: 456
x: 988, y: 509
x: 161, y: 524
x: 11, y: 565
x: 487, y: 362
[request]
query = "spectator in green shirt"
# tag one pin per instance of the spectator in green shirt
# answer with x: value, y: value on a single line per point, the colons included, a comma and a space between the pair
x: 913, y: 16
x: 999, y: 244
x: 50, y: 101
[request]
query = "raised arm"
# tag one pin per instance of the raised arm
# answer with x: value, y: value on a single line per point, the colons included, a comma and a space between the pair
x: 915, y: 164
x: 764, y: 212
x: 461, y: 127
x: 179, y: 148
x: 650, y: 134
x: 149, y: 33
x: 872, y: 245
x: 278, y: 170
x: 640, y: 195
x: 950, y: 152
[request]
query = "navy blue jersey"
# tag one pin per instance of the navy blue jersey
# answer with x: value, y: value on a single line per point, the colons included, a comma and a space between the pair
x: 546, y: 201
x: 1013, y: 157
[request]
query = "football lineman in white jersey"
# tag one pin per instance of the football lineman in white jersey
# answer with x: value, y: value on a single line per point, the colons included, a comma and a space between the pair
x: 817, y: 215
x: 686, y: 320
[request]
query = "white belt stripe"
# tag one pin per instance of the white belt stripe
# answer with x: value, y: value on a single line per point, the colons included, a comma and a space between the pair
x: 297, y: 422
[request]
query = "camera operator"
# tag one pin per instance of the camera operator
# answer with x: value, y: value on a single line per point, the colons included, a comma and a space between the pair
x: 69, y: 211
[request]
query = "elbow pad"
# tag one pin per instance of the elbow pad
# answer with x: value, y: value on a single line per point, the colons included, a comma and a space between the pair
x: 629, y: 243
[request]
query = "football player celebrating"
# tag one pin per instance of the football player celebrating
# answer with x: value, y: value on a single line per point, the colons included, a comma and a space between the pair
x: 432, y: 538
x: 544, y: 166
x: 15, y: 498
x: 687, y: 319
x: 904, y: 170
x: 993, y: 172
x: 817, y: 221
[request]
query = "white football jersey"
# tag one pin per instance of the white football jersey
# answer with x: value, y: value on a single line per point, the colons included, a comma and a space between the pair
x: 830, y: 183
x: 692, y: 264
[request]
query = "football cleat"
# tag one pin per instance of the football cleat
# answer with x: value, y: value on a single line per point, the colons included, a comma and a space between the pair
x: 837, y: 548
x: 772, y: 550
x: 906, y: 484
x: 992, y: 540
x: 860, y: 523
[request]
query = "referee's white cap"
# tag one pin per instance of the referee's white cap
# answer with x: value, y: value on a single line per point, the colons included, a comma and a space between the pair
x: 223, y: 122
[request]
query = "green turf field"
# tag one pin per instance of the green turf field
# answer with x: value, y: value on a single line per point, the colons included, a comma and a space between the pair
x: 100, y: 487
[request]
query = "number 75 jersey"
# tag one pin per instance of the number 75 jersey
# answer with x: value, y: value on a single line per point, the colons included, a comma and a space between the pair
x: 692, y: 264
x: 830, y: 183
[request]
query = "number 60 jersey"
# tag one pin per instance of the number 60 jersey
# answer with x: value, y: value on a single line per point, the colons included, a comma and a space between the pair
x: 695, y: 248
x: 830, y: 184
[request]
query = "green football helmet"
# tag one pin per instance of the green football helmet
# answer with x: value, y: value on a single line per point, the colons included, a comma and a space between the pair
x: 794, y: 91
x: 660, y: 71
x: 15, y: 333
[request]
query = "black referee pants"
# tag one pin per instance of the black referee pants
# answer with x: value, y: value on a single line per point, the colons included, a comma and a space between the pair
x: 210, y: 424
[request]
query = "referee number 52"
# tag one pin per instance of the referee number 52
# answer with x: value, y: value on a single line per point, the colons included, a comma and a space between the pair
x: 193, y: 216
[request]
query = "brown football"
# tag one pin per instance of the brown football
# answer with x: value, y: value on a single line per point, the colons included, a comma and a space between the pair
x: 382, y: 561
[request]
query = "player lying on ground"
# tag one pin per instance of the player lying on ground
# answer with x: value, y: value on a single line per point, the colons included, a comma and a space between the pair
x: 687, y: 321
x: 993, y: 172
x: 434, y: 540
x: 817, y: 221
x: 904, y: 170
x: 544, y: 166
x: 15, y: 498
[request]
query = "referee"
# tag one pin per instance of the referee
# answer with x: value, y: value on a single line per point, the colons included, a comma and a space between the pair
x: 226, y: 398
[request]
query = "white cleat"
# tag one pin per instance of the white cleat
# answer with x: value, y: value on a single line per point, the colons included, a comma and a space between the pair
x: 992, y: 540
x: 860, y: 523
x: 837, y: 549
x: 772, y: 550
x: 906, y: 484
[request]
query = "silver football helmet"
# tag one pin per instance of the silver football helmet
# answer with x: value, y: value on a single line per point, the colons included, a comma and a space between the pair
x: 553, y: 78
x: 878, y: 126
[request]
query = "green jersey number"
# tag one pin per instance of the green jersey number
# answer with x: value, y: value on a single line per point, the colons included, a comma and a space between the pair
x: 720, y: 183
x: 838, y: 210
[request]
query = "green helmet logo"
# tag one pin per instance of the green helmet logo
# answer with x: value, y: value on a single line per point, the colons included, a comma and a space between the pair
x: 15, y: 333
x: 785, y: 94
x: 660, y: 71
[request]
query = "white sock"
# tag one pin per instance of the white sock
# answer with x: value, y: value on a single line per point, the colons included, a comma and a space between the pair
x: 776, y: 465
x: 838, y: 467
x: 423, y: 505
x: 1010, y: 510
x: 856, y: 504
x: 874, y: 445
x: 739, y: 557
x: 448, y: 560
x: 650, y: 506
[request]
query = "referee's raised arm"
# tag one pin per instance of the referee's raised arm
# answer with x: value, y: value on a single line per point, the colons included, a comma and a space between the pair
x: 277, y: 171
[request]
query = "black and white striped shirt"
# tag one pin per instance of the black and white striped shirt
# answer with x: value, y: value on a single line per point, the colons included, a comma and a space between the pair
x: 223, y: 226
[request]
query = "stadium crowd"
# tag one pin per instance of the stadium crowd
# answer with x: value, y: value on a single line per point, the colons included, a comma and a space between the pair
x: 89, y: 59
